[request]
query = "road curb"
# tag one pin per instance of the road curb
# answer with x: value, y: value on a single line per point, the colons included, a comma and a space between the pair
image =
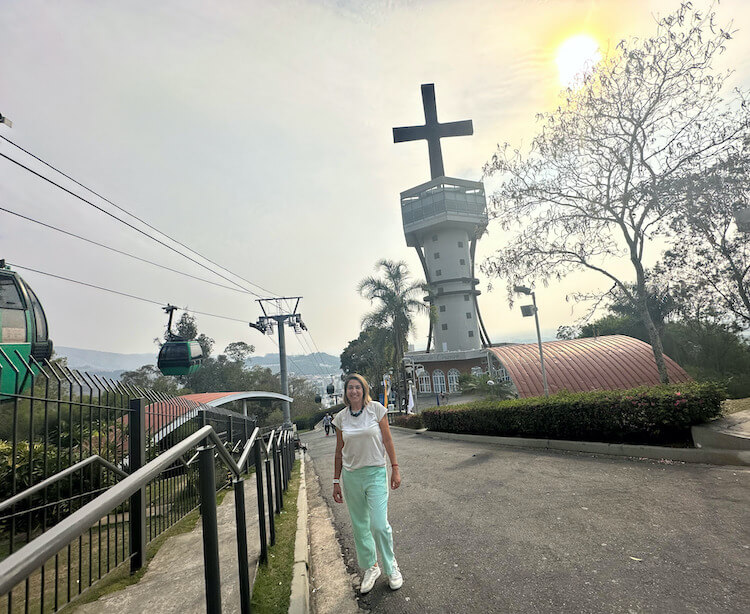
x: 711, y: 456
x: 299, y: 600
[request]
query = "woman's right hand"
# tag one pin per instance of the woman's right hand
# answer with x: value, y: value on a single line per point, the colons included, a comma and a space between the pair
x: 338, y: 497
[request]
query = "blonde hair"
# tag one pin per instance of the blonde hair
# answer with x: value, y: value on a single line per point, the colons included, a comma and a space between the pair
x: 365, y: 389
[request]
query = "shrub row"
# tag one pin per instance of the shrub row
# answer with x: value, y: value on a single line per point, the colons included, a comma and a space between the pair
x: 409, y: 421
x: 647, y: 415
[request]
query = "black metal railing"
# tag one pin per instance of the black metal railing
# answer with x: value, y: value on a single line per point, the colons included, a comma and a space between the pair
x: 22, y: 573
x: 67, y: 439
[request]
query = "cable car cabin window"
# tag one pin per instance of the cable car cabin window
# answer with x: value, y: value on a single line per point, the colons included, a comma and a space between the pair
x: 13, y: 326
x: 174, y: 352
x: 195, y: 350
x: 39, y: 318
x: 10, y: 297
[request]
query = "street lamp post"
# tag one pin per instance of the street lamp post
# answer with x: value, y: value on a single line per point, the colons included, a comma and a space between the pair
x: 528, y: 311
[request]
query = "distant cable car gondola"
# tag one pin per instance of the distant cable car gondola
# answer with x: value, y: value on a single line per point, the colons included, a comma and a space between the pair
x: 178, y: 356
x: 23, y: 331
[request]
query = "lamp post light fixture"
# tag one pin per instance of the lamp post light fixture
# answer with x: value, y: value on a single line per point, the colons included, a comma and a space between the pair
x: 531, y: 310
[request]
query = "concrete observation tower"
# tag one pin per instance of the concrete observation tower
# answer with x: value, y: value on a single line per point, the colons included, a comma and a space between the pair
x: 443, y: 220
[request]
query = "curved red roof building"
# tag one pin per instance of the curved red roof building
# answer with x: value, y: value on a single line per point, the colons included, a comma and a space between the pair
x: 577, y: 365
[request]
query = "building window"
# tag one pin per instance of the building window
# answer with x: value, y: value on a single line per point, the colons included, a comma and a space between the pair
x: 434, y: 237
x: 460, y: 243
x: 462, y: 261
x: 466, y: 297
x: 453, y: 375
x: 424, y: 382
x: 442, y: 308
x: 471, y: 333
x: 444, y: 327
x: 438, y: 272
x: 437, y: 255
x: 440, y: 290
x: 468, y: 315
x: 438, y: 380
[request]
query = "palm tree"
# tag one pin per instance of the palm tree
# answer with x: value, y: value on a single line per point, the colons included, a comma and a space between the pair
x: 394, y: 295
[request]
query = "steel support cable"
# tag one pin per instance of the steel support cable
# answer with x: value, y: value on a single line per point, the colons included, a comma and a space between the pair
x: 306, y: 347
x: 142, y: 221
x: 117, y: 251
x: 129, y: 225
x: 309, y: 334
x: 133, y: 296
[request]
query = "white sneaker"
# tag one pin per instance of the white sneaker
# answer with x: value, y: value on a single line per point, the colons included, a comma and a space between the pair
x: 395, y: 580
x: 368, y: 580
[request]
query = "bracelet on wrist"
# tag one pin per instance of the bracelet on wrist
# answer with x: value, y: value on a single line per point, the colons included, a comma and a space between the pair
x: 336, y: 481
x: 394, y: 465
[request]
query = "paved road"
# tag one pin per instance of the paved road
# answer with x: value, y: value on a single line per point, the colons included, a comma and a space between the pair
x: 480, y: 528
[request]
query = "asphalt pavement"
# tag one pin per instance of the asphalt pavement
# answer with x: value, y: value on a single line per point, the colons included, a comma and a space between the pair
x: 479, y: 528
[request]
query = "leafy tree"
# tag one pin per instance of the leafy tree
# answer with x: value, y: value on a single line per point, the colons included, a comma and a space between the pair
x: 149, y: 377
x: 486, y: 385
x: 239, y: 351
x: 709, y: 255
x: 600, y: 180
x: 394, y: 295
x: 186, y: 327
x: 371, y: 354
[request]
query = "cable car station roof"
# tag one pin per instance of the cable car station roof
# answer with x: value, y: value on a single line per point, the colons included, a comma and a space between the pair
x: 597, y: 363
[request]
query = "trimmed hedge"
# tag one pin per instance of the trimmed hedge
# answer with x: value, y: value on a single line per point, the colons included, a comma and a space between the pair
x: 308, y: 421
x: 409, y: 421
x: 647, y: 415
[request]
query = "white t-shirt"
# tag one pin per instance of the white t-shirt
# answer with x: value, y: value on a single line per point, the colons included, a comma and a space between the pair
x: 363, y: 439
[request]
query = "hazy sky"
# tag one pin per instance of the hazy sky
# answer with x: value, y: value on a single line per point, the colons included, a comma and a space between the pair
x: 259, y: 134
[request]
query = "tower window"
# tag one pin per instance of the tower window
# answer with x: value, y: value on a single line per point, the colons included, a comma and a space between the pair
x: 438, y: 272
x: 462, y: 261
x: 471, y: 333
x: 468, y: 315
x: 437, y: 255
x: 444, y: 327
x: 434, y: 237
x: 440, y: 290
x: 460, y: 243
x: 442, y: 308
x: 466, y: 297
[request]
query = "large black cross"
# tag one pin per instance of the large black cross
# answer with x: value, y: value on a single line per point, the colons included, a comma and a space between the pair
x: 432, y: 131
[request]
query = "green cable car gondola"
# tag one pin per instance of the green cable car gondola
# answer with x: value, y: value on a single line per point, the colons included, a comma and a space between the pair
x: 178, y: 356
x: 23, y: 332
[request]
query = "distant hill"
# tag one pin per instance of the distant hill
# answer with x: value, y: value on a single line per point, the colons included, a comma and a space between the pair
x: 112, y: 364
x: 300, y: 364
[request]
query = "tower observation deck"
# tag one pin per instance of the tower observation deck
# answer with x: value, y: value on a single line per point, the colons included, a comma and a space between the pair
x: 443, y: 219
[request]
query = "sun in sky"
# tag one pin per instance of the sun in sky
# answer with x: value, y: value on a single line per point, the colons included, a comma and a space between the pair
x: 575, y: 57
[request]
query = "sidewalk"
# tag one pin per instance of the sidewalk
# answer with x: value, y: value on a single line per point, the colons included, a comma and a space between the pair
x: 174, y: 581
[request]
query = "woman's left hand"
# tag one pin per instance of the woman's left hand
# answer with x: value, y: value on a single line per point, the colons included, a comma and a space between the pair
x: 395, y: 478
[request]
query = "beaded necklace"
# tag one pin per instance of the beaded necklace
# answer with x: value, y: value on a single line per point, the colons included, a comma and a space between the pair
x: 353, y: 415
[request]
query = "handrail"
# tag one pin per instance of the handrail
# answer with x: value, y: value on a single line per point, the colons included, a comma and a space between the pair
x: 60, y: 475
x: 19, y: 565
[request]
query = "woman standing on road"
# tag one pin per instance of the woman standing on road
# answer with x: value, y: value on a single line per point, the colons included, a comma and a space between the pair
x: 362, y: 440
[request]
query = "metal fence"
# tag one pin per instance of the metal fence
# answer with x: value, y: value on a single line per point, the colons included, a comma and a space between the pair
x: 69, y: 438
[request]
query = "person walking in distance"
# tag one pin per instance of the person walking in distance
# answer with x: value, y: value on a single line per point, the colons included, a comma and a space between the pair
x: 363, y: 438
x: 327, y: 423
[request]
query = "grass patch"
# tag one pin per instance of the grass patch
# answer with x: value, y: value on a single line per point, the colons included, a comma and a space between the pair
x: 732, y: 406
x: 273, y: 582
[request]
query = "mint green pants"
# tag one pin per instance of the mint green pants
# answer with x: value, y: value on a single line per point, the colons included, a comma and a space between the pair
x: 366, y: 495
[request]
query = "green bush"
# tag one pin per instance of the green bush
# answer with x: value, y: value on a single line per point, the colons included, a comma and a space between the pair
x: 308, y: 421
x: 650, y: 415
x: 409, y: 421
